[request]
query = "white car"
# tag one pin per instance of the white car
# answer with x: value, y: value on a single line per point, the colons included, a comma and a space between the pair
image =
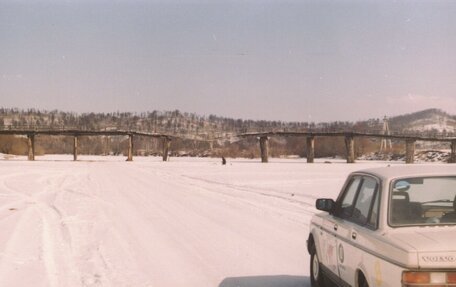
x: 389, y: 227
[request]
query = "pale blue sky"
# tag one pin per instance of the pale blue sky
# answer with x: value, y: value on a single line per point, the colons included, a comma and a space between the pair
x: 272, y: 60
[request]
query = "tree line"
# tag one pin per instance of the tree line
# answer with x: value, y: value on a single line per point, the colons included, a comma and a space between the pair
x: 196, y: 131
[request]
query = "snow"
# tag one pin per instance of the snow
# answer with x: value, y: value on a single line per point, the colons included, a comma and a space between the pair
x: 102, y: 221
x: 435, y: 122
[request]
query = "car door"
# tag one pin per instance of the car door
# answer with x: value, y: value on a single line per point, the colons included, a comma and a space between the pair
x: 333, y: 224
x: 355, y: 227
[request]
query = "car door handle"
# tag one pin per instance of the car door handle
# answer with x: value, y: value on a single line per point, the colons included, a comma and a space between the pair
x: 354, y: 235
x: 335, y: 227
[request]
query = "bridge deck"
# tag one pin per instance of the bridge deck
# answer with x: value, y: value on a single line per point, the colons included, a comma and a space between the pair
x: 82, y: 133
x: 415, y: 137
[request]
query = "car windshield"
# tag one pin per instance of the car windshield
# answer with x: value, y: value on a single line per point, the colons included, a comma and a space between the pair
x: 423, y: 201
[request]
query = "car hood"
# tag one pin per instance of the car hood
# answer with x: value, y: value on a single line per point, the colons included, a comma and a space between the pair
x: 435, y: 247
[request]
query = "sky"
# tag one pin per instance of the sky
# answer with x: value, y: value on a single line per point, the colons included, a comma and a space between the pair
x: 260, y: 59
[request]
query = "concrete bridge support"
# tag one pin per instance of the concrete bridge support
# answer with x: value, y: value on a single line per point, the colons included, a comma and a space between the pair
x: 130, y: 148
x: 75, y: 148
x: 310, y: 142
x: 31, y: 146
x: 350, y: 148
x: 409, y: 151
x: 264, y: 148
x: 453, y: 152
x: 166, y: 146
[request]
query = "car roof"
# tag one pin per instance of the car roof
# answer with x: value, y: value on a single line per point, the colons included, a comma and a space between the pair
x: 400, y: 171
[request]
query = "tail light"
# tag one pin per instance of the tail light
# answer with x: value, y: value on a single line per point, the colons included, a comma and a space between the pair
x: 428, y: 279
x: 451, y: 277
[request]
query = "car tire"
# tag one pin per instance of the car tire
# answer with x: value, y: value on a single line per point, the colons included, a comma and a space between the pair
x: 363, y: 281
x: 316, y: 276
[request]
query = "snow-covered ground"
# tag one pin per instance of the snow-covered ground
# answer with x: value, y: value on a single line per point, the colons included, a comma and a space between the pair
x: 102, y: 221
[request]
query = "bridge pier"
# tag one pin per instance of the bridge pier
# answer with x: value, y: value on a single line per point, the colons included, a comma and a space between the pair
x: 453, y: 152
x: 75, y: 148
x: 166, y: 146
x: 211, y: 145
x: 350, y: 148
x: 264, y: 148
x: 130, y: 148
x: 410, y: 151
x: 31, y: 146
x: 106, y: 145
x: 310, y: 143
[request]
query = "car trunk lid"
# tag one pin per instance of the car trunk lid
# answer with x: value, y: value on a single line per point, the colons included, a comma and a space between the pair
x: 434, y: 246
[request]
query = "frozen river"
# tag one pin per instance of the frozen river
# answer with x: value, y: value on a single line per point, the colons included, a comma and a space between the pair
x: 102, y: 221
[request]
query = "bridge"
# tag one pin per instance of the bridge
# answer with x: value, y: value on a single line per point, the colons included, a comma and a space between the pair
x: 409, y: 139
x: 30, y: 134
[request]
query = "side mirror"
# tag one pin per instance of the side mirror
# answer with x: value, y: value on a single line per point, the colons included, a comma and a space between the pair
x: 325, y: 204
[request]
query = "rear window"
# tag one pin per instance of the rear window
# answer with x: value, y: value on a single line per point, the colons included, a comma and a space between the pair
x: 423, y: 201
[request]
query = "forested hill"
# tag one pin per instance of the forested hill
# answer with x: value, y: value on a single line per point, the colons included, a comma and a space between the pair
x: 430, y: 120
x: 190, y: 124
x: 170, y: 122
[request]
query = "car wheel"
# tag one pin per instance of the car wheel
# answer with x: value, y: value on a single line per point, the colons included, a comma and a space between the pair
x: 316, y: 276
x: 363, y: 281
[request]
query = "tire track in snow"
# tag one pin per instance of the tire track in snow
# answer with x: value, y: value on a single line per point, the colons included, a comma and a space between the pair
x: 14, y: 246
x: 81, y: 231
x: 254, y: 190
x: 185, y: 212
x: 168, y: 211
x: 100, y: 272
x: 241, y: 196
x: 174, y: 233
x: 134, y: 206
x: 55, y: 238
x: 56, y: 249
x: 262, y: 192
x: 122, y: 238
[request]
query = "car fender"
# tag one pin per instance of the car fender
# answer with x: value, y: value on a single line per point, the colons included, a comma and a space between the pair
x: 315, y: 224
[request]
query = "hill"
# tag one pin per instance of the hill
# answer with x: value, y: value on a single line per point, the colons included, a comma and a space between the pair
x: 430, y: 120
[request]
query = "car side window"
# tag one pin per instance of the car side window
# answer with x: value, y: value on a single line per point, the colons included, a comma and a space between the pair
x: 347, y: 202
x: 364, y: 201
